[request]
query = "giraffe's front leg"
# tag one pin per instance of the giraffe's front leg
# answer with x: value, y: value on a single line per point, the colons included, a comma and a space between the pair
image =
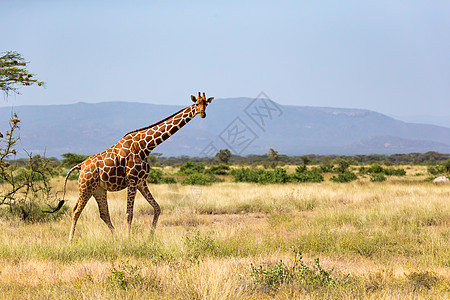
x: 143, y: 188
x: 130, y: 204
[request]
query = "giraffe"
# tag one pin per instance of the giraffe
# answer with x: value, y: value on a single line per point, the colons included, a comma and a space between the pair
x: 125, y: 165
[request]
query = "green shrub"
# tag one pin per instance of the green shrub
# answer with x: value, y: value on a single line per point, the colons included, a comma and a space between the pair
x: 272, y: 277
x: 198, y: 245
x: 221, y: 169
x: 342, y: 165
x: 278, y: 175
x: 326, y: 167
x: 301, y: 169
x: 125, y: 276
x: 246, y: 175
x: 189, y: 168
x: 168, y: 180
x: 377, y: 169
x: 302, y: 174
x: 155, y: 176
x: 377, y: 178
x: 344, y: 177
x: 434, y: 170
x: 394, y: 172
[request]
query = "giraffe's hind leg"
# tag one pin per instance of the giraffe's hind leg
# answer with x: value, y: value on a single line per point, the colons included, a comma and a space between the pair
x: 131, y: 194
x: 83, y: 198
x: 143, y: 188
x: 101, y: 197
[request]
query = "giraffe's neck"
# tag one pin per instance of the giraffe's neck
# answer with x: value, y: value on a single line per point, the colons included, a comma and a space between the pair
x: 152, y: 136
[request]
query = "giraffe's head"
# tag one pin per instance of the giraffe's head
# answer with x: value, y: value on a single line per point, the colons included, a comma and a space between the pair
x: 201, y: 103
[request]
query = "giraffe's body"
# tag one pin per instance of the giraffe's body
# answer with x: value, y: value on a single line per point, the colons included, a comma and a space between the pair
x: 125, y: 165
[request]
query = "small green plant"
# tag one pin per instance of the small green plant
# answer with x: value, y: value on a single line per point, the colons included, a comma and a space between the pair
x: 272, y: 277
x: 125, y: 276
x: 198, y: 245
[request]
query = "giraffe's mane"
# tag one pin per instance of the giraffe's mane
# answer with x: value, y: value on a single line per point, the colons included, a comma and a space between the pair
x: 157, y: 123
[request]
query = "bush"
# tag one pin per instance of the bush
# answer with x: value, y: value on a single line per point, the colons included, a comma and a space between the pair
x: 126, y: 276
x: 189, y: 168
x: 344, y: 177
x: 395, y: 172
x: 342, y: 165
x: 246, y: 175
x: 155, y: 176
x: 377, y: 178
x: 299, y: 274
x: 221, y: 169
x: 326, y: 167
x: 377, y: 169
x: 302, y: 174
x: 276, y: 176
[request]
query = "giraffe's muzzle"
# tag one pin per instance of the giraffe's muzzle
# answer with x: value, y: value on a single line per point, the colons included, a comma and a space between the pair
x: 202, y: 114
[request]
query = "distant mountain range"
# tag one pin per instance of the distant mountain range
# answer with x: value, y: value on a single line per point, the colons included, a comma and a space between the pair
x: 243, y: 125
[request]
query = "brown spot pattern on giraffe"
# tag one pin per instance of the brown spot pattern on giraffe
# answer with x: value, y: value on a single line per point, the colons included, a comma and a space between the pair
x: 125, y: 165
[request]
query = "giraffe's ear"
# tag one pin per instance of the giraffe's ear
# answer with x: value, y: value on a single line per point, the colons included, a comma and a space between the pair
x: 210, y: 100
x: 193, y: 98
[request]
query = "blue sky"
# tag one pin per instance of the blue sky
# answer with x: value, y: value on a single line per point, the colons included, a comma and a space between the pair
x: 389, y: 56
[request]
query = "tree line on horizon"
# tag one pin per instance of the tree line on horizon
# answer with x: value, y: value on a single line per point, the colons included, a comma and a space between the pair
x: 270, y: 160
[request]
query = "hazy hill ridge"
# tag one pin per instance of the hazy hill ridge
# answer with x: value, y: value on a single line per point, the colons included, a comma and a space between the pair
x: 241, y: 124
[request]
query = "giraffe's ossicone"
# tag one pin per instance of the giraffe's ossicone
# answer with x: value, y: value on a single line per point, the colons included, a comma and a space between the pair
x: 125, y: 165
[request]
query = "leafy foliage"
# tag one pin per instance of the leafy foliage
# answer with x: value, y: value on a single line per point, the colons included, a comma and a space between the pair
x: 246, y: 174
x: 278, y: 175
x: 342, y: 164
x: 155, y: 176
x: 190, y: 168
x: 125, y: 276
x: 302, y: 174
x: 221, y: 169
x: 198, y: 245
x: 344, y: 177
x: 223, y: 156
x: 72, y: 159
x: 272, y: 277
x: 14, y: 73
x: 378, y: 177
x: 377, y: 169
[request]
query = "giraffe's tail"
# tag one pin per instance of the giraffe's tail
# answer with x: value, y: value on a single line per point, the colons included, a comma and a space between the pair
x: 61, y: 202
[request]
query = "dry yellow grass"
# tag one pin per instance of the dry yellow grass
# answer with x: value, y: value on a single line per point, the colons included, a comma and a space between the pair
x: 207, y: 237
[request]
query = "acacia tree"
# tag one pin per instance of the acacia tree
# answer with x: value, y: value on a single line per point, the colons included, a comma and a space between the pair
x: 273, y: 154
x: 223, y: 155
x: 14, y: 73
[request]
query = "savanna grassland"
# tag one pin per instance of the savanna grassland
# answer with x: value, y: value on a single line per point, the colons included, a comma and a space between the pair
x: 231, y: 240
